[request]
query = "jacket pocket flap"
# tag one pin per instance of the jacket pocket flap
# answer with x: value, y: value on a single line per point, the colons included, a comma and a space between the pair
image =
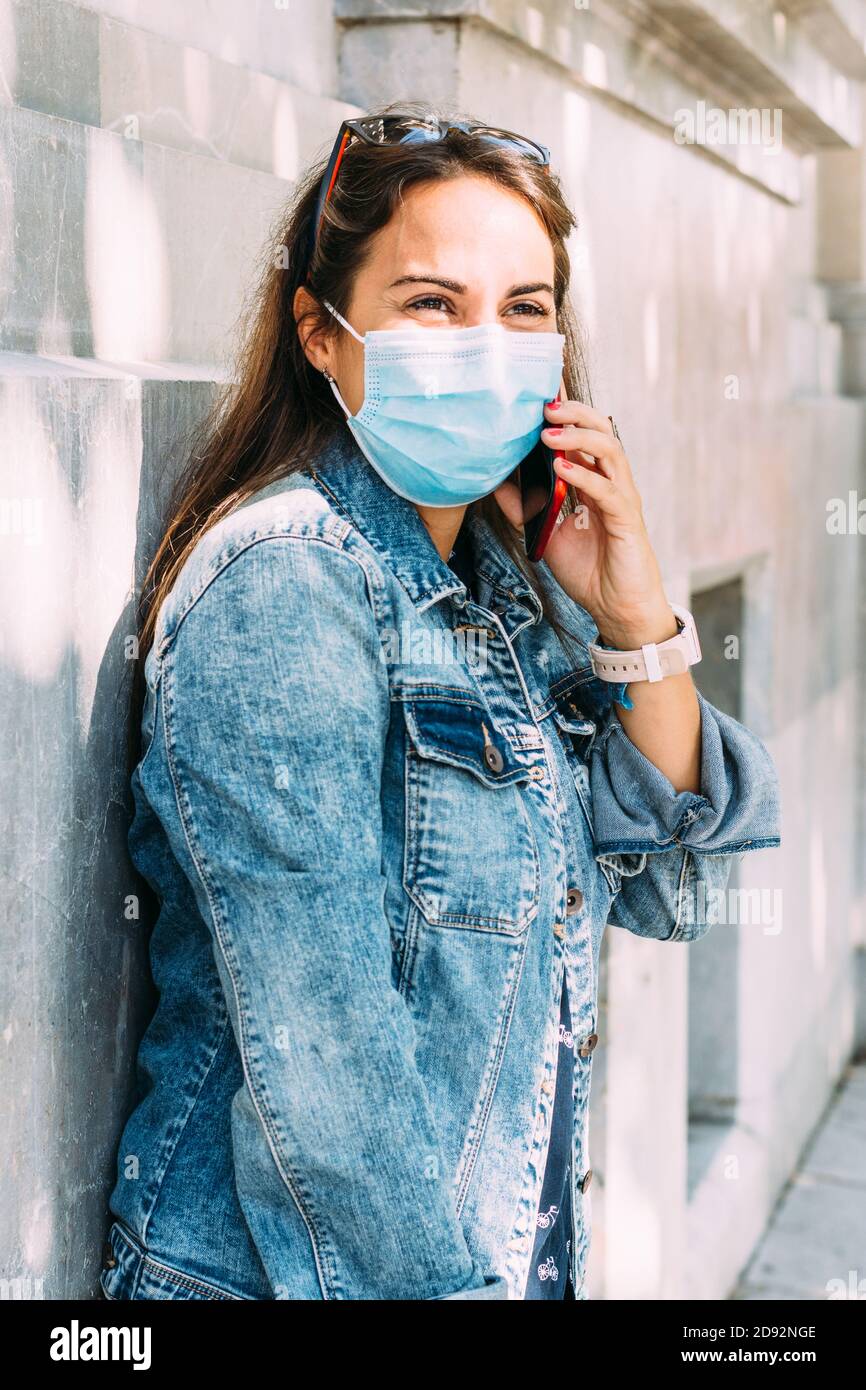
x: 461, y: 732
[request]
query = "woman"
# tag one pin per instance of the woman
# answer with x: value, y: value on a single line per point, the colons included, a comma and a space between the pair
x: 387, y: 796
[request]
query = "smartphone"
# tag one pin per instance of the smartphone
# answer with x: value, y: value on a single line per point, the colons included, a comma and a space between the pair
x: 542, y: 492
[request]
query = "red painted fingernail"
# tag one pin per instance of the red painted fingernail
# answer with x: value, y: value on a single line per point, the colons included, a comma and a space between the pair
x: 553, y: 429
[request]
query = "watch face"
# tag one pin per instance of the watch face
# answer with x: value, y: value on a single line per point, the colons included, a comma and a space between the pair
x: 687, y: 626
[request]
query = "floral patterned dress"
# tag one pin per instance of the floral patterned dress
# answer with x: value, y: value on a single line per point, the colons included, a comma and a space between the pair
x: 548, y: 1271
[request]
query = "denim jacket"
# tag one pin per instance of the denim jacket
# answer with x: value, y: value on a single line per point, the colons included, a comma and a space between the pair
x: 382, y: 819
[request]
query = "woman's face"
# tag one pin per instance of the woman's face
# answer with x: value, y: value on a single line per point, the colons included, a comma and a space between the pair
x: 455, y: 254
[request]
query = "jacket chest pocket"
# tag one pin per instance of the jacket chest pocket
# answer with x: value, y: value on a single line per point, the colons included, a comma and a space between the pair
x: 471, y: 858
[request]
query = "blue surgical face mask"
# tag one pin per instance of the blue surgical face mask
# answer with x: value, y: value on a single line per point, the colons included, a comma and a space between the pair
x: 449, y: 413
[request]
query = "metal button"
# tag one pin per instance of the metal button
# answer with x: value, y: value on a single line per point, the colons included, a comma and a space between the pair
x: 108, y: 1257
x: 573, y: 900
x: 493, y: 758
x: 548, y: 1088
x: 588, y: 1047
x: 537, y: 774
x: 587, y: 1179
x: 559, y: 930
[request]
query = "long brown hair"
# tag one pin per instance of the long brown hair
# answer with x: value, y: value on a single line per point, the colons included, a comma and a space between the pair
x: 278, y: 411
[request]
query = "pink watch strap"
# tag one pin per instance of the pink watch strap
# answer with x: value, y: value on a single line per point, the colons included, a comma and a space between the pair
x: 654, y: 661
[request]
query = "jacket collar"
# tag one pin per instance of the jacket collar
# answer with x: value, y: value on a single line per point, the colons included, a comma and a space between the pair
x: 394, y: 528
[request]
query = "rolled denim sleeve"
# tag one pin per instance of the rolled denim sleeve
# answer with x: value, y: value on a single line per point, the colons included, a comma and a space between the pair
x: 636, y: 808
x: 276, y: 710
x: 658, y: 845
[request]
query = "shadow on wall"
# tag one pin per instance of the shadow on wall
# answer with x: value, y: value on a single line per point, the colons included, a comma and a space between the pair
x: 114, y: 901
x: 76, y: 966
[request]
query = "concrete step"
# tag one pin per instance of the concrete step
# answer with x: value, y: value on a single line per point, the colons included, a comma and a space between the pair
x: 623, y: 58
x: 140, y: 179
x: 66, y: 60
x: 292, y: 40
x: 122, y: 249
x: 88, y: 454
x: 777, y: 63
x: 736, y: 44
x: 837, y: 28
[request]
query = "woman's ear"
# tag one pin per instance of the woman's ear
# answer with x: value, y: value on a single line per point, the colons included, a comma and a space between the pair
x: 314, y: 336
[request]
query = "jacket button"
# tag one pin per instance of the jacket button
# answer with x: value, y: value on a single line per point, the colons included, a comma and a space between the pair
x: 559, y: 929
x: 493, y: 758
x: 588, y: 1047
x: 573, y: 900
x: 587, y: 1179
x: 108, y: 1257
x: 548, y: 1088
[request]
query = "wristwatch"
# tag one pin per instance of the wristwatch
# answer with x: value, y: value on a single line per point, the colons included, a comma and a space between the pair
x: 653, y: 661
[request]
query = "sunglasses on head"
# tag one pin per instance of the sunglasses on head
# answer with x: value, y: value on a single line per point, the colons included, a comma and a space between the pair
x: 405, y: 129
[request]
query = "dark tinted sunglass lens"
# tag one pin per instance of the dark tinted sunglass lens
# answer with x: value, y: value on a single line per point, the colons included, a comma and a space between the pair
x: 418, y: 135
x: 514, y: 142
x: 521, y: 148
x: 416, y: 130
x: 409, y: 129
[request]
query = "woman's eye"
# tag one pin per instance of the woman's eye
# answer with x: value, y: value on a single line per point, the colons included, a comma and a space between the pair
x: 525, y: 309
x: 533, y: 308
x: 430, y: 301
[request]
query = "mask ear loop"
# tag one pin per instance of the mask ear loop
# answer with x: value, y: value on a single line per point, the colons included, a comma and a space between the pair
x: 336, y: 390
x: 329, y: 306
x: 331, y: 382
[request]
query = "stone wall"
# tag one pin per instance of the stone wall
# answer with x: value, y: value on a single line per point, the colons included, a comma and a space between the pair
x: 144, y: 148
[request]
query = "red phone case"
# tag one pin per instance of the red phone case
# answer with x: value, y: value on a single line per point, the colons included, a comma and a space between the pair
x: 560, y: 488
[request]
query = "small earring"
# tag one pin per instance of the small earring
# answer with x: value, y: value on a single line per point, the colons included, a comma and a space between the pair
x: 326, y: 374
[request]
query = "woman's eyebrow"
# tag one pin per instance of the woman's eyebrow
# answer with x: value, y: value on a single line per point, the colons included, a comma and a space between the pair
x: 457, y: 288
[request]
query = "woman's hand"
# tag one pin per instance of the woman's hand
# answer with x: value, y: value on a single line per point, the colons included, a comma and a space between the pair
x: 603, y: 559
x: 601, y: 555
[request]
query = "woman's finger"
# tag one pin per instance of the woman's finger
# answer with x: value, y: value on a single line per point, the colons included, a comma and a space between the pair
x: 576, y: 413
x: 605, y: 449
x: 611, y: 501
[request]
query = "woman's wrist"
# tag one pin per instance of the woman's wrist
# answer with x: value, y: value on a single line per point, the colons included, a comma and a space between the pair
x: 628, y: 634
